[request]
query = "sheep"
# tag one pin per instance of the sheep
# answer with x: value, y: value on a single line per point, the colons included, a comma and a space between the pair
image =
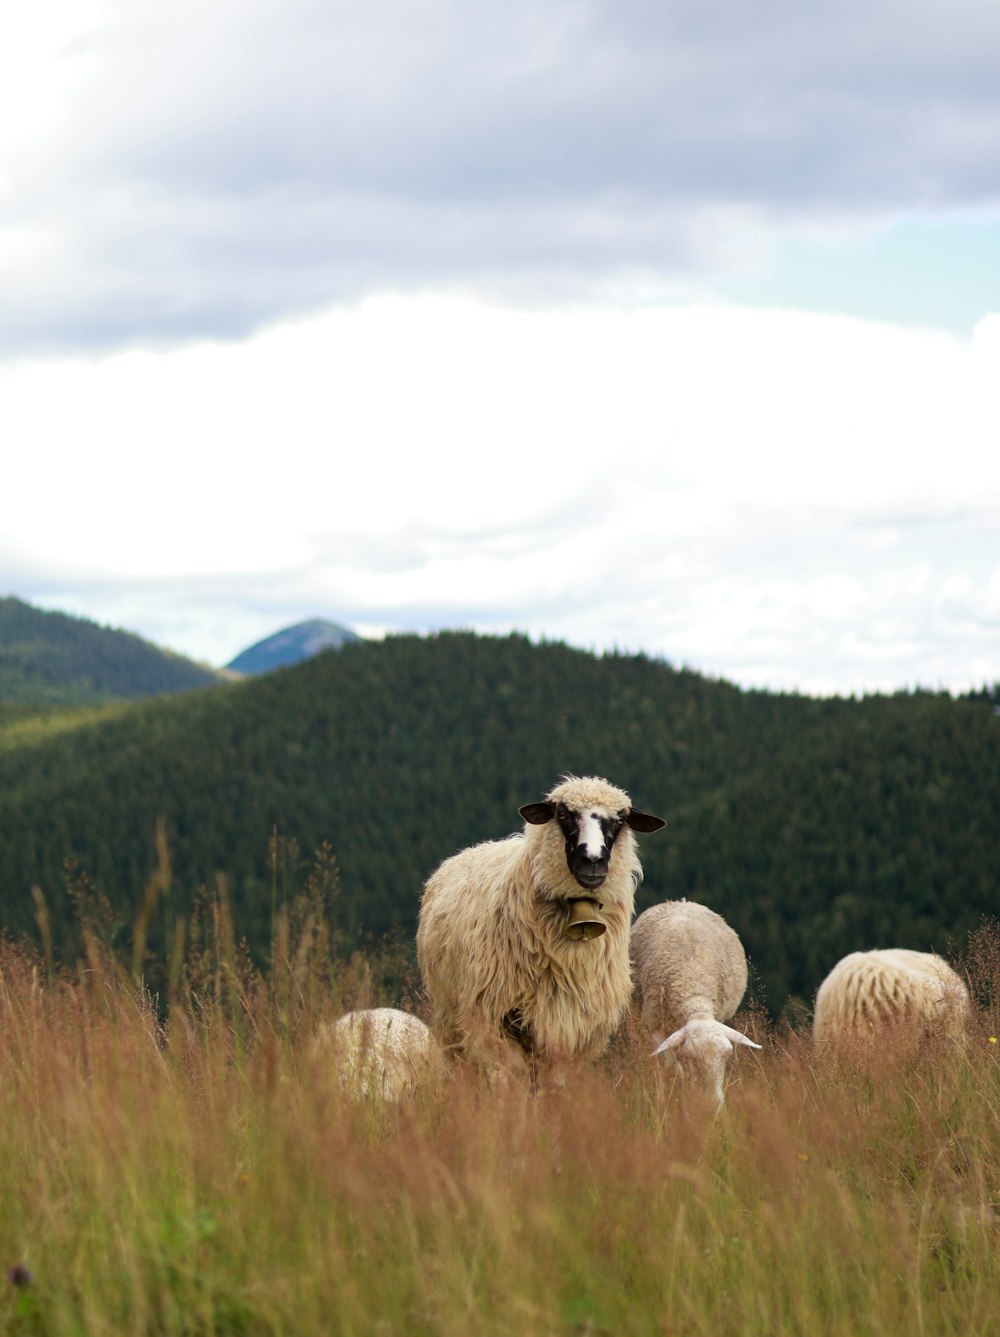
x: 867, y: 993
x: 690, y: 974
x: 523, y: 942
x: 380, y: 1052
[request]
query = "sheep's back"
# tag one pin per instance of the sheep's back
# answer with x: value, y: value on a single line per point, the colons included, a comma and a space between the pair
x: 466, y: 939
x: 460, y: 899
x: 868, y: 991
x: 382, y: 1052
x: 686, y: 959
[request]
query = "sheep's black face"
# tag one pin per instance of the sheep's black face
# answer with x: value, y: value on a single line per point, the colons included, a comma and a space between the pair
x: 590, y: 836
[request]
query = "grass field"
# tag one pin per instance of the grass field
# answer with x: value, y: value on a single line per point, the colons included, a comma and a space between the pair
x: 201, y: 1172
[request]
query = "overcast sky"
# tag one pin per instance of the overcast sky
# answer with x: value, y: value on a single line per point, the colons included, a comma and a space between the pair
x: 671, y: 326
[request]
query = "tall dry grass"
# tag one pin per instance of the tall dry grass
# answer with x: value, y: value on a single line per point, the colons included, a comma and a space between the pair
x: 203, y: 1172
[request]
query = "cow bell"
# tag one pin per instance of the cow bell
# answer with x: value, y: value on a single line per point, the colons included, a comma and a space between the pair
x: 583, y: 920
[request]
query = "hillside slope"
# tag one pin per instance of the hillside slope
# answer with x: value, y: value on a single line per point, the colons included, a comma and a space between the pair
x: 51, y: 658
x: 814, y: 826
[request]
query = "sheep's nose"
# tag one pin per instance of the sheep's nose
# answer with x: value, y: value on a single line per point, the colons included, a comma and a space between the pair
x: 590, y: 873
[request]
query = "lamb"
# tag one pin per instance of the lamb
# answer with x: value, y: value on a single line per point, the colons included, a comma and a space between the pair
x: 690, y: 973
x: 380, y: 1052
x: 523, y: 942
x: 867, y: 993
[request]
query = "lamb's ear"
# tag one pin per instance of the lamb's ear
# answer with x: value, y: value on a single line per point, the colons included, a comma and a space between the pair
x: 738, y: 1038
x: 538, y: 813
x: 643, y: 821
x: 671, y: 1042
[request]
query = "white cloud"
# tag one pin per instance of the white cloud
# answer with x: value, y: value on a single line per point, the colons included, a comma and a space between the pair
x: 786, y: 500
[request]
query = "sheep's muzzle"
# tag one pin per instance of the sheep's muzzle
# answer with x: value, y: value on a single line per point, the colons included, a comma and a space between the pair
x: 583, y: 919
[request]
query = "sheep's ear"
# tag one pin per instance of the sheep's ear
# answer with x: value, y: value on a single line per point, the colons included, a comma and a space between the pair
x: 671, y: 1042
x: 738, y: 1038
x: 538, y: 813
x: 643, y: 821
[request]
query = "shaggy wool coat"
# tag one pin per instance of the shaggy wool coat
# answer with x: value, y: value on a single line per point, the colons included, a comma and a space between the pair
x: 868, y: 991
x: 497, y: 965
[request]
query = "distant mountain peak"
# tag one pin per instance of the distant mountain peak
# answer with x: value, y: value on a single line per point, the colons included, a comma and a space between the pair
x: 291, y: 646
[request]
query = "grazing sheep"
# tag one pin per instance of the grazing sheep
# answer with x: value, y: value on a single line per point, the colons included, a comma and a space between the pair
x: 866, y: 992
x: 380, y: 1052
x: 523, y: 942
x: 690, y: 973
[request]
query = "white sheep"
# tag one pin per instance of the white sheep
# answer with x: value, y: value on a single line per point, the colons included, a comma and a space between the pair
x: 523, y: 942
x: 867, y: 992
x: 380, y: 1052
x: 690, y: 973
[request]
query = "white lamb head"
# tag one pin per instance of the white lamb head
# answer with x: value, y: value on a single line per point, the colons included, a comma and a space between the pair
x: 704, y: 1045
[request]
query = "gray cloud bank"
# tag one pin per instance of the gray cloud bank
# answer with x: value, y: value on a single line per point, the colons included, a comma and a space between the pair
x: 205, y: 169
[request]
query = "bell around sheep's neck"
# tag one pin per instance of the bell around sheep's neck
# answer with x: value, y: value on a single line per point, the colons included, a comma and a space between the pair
x: 583, y: 919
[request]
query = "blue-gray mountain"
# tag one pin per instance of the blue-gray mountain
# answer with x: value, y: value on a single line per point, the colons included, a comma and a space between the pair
x: 292, y: 646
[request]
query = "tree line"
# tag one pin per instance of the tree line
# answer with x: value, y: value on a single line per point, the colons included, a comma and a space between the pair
x: 815, y: 826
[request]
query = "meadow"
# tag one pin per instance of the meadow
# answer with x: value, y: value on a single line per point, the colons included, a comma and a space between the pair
x: 182, y: 1162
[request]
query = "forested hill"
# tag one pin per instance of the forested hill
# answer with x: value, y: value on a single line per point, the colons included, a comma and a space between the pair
x: 52, y: 658
x: 815, y: 826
